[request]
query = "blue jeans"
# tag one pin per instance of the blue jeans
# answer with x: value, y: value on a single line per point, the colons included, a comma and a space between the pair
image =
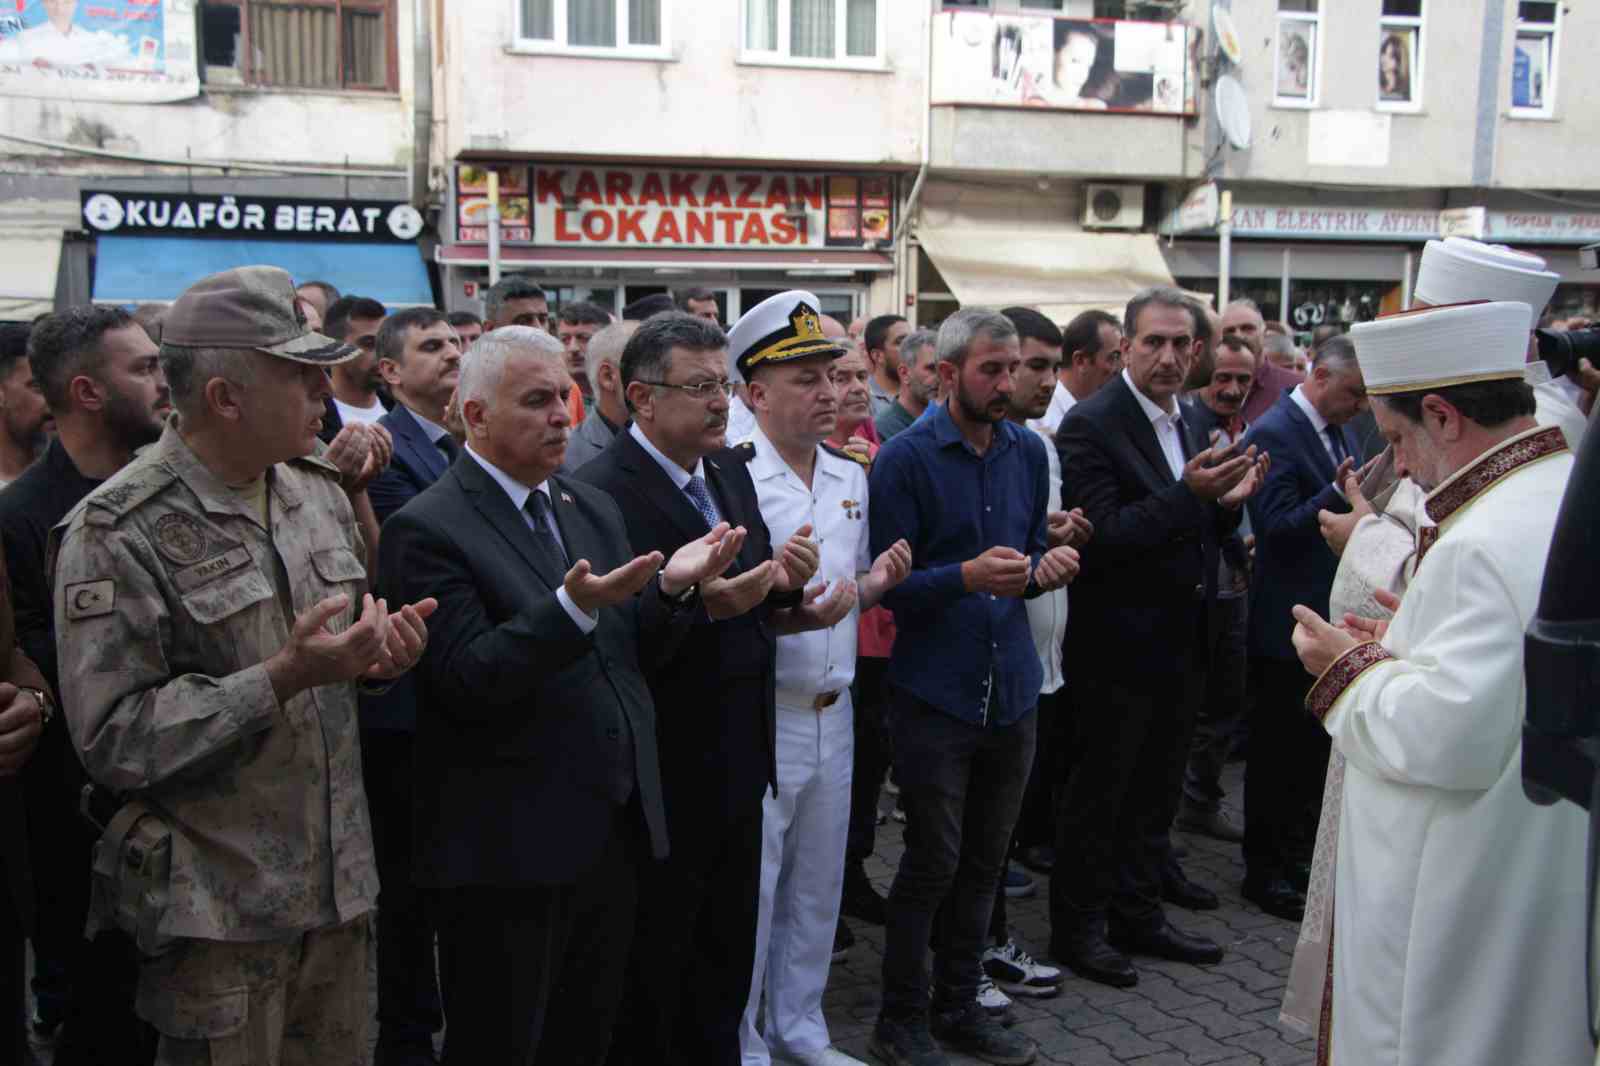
x: 961, y: 786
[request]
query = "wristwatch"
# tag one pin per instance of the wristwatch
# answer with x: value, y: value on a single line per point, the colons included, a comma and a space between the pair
x: 47, y: 706
x: 681, y: 600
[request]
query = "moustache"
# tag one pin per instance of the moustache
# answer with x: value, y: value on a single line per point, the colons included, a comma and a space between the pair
x: 716, y: 422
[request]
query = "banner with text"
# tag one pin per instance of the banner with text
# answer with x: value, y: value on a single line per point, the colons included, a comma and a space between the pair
x: 619, y: 207
x: 1405, y: 224
x: 282, y: 217
x: 137, y: 51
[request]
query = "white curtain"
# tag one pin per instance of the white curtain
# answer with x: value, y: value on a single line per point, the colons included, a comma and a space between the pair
x: 295, y: 45
x: 592, y: 23
x: 366, y: 58
x: 811, y: 32
x: 761, y: 25
x: 861, y: 28
x: 539, y: 19
x: 644, y: 21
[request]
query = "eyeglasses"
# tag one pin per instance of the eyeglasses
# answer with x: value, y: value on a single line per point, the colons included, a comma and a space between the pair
x: 704, y: 391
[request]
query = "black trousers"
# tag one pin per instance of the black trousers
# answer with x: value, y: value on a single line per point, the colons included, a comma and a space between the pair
x: 688, y: 976
x: 531, y: 973
x: 13, y: 985
x: 1285, y: 772
x: 1052, y: 756
x: 408, y: 994
x: 872, y: 758
x: 1133, y: 721
x: 962, y: 787
x: 1220, y: 713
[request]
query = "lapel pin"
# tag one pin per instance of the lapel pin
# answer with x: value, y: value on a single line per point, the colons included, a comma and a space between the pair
x: 565, y: 498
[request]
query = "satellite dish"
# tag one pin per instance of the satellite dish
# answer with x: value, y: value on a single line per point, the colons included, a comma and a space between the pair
x: 1233, y: 111
x: 1227, y: 36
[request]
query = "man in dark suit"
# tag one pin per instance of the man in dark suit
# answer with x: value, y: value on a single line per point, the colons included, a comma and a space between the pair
x: 538, y: 794
x: 1160, y: 501
x: 419, y: 356
x: 689, y: 975
x: 1313, y: 451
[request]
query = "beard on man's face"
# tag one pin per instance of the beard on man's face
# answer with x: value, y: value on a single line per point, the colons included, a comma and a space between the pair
x: 993, y: 413
x: 130, y: 422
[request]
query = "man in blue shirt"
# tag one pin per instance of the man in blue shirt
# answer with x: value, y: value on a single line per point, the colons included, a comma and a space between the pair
x: 967, y: 491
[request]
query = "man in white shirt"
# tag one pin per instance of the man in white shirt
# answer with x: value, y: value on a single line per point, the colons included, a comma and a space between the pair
x: 1459, y: 909
x: 1093, y: 343
x: 801, y: 484
x: 357, y: 385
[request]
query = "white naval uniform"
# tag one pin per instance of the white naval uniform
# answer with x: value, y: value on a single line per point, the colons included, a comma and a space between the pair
x: 1459, y: 906
x: 804, y: 828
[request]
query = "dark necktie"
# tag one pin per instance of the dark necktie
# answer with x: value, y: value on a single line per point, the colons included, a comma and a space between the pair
x: 700, y: 493
x: 448, y: 445
x: 544, y: 531
x: 1336, y: 439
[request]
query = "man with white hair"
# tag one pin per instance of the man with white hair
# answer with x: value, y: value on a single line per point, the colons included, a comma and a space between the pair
x: 1459, y: 910
x: 610, y: 411
x: 538, y: 785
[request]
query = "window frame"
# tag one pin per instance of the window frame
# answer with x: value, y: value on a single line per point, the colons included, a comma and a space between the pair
x: 1404, y: 24
x: 781, y: 57
x: 1551, y: 32
x: 1313, y: 97
x: 557, y: 43
x: 244, y: 59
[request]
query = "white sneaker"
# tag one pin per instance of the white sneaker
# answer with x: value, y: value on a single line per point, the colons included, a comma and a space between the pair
x: 990, y: 998
x: 1018, y: 973
x: 828, y: 1056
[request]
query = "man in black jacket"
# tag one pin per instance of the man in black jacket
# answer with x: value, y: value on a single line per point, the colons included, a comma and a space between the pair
x: 689, y: 975
x: 538, y: 792
x: 1160, y: 502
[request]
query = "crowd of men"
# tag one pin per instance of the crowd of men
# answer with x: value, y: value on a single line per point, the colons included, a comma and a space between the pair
x: 565, y: 657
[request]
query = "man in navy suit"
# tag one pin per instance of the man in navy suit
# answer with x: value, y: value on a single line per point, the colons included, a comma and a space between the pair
x: 1312, y: 451
x: 419, y: 356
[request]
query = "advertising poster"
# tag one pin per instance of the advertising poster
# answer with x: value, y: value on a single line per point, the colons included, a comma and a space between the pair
x: 140, y: 51
x: 1065, y: 64
x: 472, y: 203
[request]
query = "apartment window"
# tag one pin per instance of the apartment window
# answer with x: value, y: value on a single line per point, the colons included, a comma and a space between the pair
x: 1400, y: 56
x: 1047, y: 6
x: 299, y: 44
x: 845, y: 32
x: 1533, y: 60
x: 580, y: 25
x: 1297, y: 68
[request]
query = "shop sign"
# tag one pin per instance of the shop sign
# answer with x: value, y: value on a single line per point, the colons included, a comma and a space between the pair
x: 1061, y: 64
x: 573, y: 205
x: 294, y: 218
x: 1407, y: 225
x: 127, y: 51
x: 1199, y: 210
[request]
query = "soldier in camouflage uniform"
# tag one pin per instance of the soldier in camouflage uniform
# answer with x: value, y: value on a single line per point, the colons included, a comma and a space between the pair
x: 212, y: 618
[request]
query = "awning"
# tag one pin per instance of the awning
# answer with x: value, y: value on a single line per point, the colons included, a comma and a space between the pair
x: 1059, y: 271
x: 30, y: 255
x: 135, y: 270
x: 844, y: 260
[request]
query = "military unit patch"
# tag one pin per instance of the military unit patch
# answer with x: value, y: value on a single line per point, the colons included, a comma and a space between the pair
x: 180, y: 539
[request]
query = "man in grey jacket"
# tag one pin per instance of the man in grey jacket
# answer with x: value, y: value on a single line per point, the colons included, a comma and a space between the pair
x: 610, y: 412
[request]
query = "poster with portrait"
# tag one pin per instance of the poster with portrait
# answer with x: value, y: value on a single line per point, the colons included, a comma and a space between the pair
x: 1297, y: 57
x: 1397, y: 63
x: 127, y: 50
x: 1063, y: 64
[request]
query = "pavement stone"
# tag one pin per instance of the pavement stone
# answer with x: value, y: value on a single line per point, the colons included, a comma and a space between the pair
x: 1178, y: 1015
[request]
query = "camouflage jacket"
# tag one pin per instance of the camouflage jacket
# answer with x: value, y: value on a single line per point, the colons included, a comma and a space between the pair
x: 169, y: 599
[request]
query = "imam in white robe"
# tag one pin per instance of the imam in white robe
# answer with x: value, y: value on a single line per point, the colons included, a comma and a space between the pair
x: 1459, y: 906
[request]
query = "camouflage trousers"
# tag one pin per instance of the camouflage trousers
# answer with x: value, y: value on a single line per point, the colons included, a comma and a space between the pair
x: 294, y: 1002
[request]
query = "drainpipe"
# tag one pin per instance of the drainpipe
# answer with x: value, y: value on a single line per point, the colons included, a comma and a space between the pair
x: 902, y: 250
x: 421, y: 102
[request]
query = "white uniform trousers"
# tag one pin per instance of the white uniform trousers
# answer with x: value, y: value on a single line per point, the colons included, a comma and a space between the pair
x: 802, y: 873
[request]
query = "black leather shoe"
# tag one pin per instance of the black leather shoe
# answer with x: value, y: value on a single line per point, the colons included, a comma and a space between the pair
x: 1093, y: 958
x: 1168, y: 943
x: 1041, y: 858
x: 1177, y: 888
x: 1275, y: 896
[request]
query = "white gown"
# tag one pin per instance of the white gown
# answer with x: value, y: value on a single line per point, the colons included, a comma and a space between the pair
x: 1459, y: 906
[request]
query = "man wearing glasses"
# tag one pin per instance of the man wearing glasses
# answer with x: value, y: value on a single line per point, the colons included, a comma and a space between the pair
x: 689, y: 972
x: 358, y: 393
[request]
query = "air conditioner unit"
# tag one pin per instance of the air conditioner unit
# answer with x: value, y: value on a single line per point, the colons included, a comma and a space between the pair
x: 1113, y: 206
